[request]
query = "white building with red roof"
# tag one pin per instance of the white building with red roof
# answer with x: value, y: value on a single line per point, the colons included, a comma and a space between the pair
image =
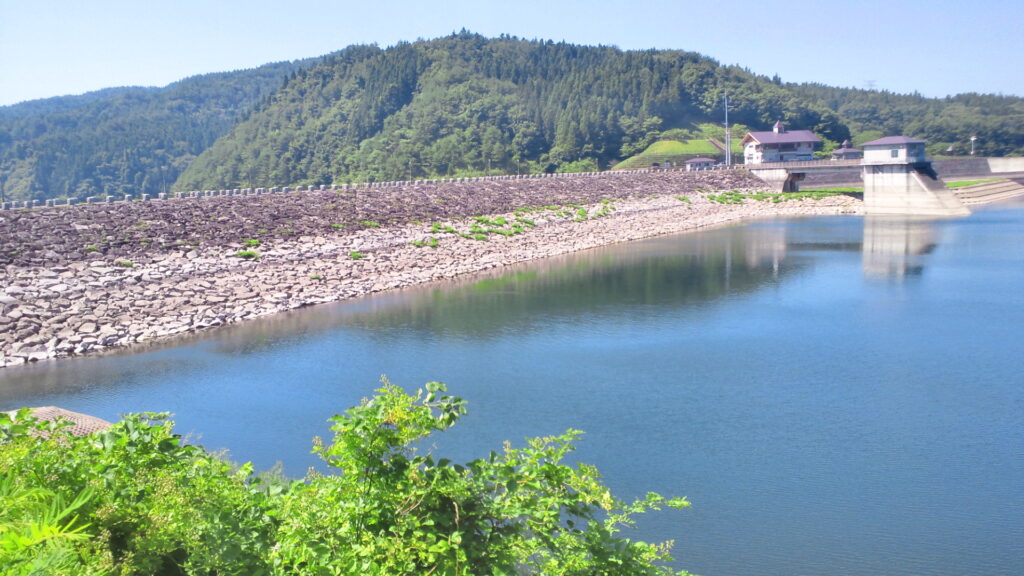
x: 779, y: 145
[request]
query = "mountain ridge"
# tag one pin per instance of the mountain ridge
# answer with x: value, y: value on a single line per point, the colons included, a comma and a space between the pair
x: 452, y: 106
x: 124, y: 140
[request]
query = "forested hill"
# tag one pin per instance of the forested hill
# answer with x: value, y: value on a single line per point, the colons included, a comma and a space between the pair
x: 452, y: 106
x: 466, y: 104
x: 124, y: 140
x: 946, y: 123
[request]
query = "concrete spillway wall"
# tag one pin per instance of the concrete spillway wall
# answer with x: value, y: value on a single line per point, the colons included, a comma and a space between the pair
x: 948, y: 169
x: 978, y: 167
x: 1004, y: 165
x: 908, y: 189
x: 989, y: 192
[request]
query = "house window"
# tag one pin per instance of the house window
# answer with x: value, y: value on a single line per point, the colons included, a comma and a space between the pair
x: 895, y: 153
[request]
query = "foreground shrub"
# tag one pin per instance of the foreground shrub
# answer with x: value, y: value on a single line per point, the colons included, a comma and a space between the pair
x: 146, y: 502
x: 136, y: 500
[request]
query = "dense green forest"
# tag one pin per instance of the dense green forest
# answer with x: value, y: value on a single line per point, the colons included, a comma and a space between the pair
x: 124, y: 140
x: 946, y: 123
x: 465, y: 104
x: 458, y: 105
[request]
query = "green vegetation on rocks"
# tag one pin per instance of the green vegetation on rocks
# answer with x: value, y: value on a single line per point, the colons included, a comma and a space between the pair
x: 135, y: 499
x: 429, y: 243
x: 737, y: 197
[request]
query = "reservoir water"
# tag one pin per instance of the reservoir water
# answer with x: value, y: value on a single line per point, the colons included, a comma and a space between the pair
x: 838, y: 395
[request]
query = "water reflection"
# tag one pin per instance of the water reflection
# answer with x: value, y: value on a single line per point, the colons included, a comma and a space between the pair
x: 624, y: 283
x: 894, y: 246
x: 629, y: 281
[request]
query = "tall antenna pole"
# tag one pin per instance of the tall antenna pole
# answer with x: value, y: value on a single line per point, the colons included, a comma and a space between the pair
x: 728, y: 134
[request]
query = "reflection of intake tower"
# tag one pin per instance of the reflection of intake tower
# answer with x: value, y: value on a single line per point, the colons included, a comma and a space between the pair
x: 765, y: 245
x: 893, y: 244
x: 899, y: 179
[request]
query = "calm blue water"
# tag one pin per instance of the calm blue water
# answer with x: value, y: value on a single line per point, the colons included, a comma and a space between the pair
x: 835, y: 395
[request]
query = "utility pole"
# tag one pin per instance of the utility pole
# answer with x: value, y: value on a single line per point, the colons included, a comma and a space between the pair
x: 973, y: 138
x: 728, y: 134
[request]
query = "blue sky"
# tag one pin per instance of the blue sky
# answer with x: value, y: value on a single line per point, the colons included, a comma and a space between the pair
x: 936, y: 48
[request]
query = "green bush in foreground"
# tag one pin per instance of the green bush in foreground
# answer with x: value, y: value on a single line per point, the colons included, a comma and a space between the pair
x: 136, y: 500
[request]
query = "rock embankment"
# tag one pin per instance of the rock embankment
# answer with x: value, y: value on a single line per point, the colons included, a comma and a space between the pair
x: 83, y: 279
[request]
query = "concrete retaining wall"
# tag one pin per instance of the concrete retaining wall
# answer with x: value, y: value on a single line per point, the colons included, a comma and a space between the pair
x: 1003, y: 165
x: 899, y: 189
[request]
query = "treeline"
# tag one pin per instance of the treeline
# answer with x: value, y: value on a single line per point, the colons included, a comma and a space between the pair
x: 469, y: 105
x: 124, y: 140
x: 454, y: 106
x: 996, y: 121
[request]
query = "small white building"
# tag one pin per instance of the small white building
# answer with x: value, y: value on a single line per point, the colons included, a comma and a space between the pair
x: 779, y: 145
x: 847, y: 152
x: 894, y: 150
x: 700, y: 164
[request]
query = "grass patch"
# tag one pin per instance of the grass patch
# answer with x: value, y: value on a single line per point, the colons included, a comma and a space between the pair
x: 355, y: 255
x: 247, y: 254
x: 437, y: 228
x: 737, y: 197
x: 483, y: 227
x: 963, y: 183
x: 674, y: 151
x: 91, y: 248
x: 607, y: 207
x: 701, y: 147
x: 338, y: 226
x: 685, y: 199
x: 570, y: 211
x: 429, y: 243
x: 847, y: 190
x: 370, y: 224
x: 250, y: 242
